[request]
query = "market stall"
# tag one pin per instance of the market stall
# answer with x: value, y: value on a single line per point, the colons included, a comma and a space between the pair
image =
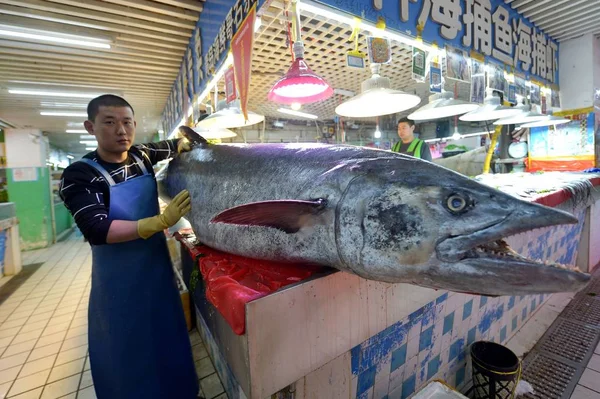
x: 328, y: 333
x: 354, y: 68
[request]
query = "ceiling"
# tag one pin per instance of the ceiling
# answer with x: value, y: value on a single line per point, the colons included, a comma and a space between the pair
x: 147, y: 43
x: 561, y: 19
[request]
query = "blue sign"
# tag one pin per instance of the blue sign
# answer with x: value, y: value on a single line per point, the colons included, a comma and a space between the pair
x: 488, y: 27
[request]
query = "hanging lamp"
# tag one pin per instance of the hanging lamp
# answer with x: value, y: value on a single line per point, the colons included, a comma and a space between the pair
x: 300, y: 85
x: 548, y: 120
x: 377, y: 98
x: 527, y: 115
x: 442, y: 105
x: 214, y: 133
x: 229, y: 116
x: 490, y: 110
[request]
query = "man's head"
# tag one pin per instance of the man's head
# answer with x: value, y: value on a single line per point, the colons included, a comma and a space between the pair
x: 111, y: 120
x: 406, y: 130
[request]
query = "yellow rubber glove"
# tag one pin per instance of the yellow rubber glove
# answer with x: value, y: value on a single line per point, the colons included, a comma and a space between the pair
x: 177, y: 208
x: 183, y: 146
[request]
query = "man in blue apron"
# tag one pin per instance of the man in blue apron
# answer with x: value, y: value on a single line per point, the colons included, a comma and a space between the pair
x: 408, y: 144
x: 138, y: 341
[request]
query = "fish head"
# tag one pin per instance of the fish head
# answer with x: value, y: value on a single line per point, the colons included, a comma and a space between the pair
x: 416, y: 222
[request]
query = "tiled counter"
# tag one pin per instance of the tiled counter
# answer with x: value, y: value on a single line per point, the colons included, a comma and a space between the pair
x: 339, y: 335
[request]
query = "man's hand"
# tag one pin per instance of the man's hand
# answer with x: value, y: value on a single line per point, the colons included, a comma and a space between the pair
x: 177, y: 208
x: 183, y: 146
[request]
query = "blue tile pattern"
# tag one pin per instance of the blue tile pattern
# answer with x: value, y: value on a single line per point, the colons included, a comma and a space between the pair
x: 442, y: 331
x: 448, y: 323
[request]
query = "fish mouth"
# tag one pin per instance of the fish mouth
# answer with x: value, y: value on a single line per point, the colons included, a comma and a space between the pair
x: 496, y: 269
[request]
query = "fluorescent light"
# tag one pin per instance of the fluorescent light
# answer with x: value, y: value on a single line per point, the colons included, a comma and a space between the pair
x: 50, y: 93
x: 257, y: 24
x: 349, y: 20
x: 76, y: 131
x: 90, y: 148
x: 62, y: 113
x: 54, y: 37
x: 90, y: 142
x: 70, y: 157
x: 63, y: 105
x: 297, y: 113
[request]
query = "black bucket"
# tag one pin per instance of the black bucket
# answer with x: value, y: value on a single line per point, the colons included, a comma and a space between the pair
x: 496, y: 371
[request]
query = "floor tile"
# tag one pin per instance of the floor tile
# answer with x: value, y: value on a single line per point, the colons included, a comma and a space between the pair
x: 80, y: 321
x: 19, y: 348
x: 211, y: 386
x: 204, y: 367
x: 4, y: 388
x: 13, y: 361
x: 37, y: 365
x: 86, y: 380
x: 4, y: 342
x: 55, y: 321
x: 66, y: 370
x: 70, y: 396
x: 594, y: 363
x: 51, y: 339
x: 11, y: 332
x: 581, y: 392
x: 55, y: 329
x: 199, y: 352
x: 45, y: 351
x: 28, y: 336
x: 12, y: 324
x: 28, y: 383
x: 61, y: 388
x: 590, y: 379
x: 87, y: 393
x: 74, y: 342
x: 76, y: 332
x: 33, y: 326
x: 9, y: 375
x: 87, y: 364
x: 41, y: 317
x: 33, y: 394
x: 71, y: 354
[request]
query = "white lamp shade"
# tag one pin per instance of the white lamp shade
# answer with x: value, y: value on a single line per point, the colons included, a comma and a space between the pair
x: 214, y: 133
x: 548, y: 120
x: 490, y: 110
x: 444, y: 106
x: 519, y: 119
x: 377, y: 102
x: 230, y: 116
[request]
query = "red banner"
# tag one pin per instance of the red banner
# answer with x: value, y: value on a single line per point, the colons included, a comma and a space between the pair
x: 230, y: 85
x: 241, y: 47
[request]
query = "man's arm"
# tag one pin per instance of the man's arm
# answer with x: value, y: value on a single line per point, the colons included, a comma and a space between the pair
x: 425, y: 153
x: 159, y: 151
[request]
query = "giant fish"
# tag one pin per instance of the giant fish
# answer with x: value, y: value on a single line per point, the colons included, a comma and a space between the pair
x: 380, y: 215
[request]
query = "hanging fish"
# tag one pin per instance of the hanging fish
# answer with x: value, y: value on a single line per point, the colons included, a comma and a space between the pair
x: 381, y: 215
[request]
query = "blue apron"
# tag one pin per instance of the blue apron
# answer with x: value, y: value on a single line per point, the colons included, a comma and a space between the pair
x: 138, y: 340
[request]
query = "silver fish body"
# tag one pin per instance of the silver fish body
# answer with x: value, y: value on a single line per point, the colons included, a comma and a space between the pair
x: 380, y: 215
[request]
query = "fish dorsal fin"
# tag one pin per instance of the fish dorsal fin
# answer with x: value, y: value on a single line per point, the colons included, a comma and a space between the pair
x: 286, y: 215
x: 194, y: 138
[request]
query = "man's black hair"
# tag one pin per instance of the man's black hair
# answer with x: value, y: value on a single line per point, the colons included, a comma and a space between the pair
x: 406, y: 120
x: 106, y: 100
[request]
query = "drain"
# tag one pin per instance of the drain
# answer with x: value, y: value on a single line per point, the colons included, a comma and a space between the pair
x: 570, y: 340
x: 584, y: 308
x: 550, y: 378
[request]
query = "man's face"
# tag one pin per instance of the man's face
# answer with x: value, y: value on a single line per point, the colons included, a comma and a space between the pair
x: 114, y: 128
x: 405, y: 131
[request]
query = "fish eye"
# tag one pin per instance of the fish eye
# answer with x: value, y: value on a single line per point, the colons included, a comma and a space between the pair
x: 456, y: 203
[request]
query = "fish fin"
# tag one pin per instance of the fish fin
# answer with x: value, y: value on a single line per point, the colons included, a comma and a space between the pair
x: 286, y: 215
x: 193, y: 137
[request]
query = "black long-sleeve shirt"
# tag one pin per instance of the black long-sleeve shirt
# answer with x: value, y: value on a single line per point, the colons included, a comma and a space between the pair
x: 86, y: 194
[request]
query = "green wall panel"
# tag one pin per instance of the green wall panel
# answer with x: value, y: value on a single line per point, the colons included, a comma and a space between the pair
x: 30, y: 191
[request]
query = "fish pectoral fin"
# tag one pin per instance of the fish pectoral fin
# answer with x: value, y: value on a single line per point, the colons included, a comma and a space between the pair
x: 286, y: 215
x: 193, y: 137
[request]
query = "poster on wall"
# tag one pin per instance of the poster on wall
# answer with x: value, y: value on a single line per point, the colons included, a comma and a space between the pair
x: 512, y: 94
x: 478, y: 82
x: 458, y: 64
x: 435, y: 78
x: 419, y: 58
x: 496, y: 79
x: 522, y: 87
x: 24, y: 174
x: 555, y: 99
x: 380, y: 50
x: 535, y: 94
x: 567, y: 147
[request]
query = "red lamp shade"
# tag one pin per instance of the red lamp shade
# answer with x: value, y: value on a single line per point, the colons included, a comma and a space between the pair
x: 300, y: 85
